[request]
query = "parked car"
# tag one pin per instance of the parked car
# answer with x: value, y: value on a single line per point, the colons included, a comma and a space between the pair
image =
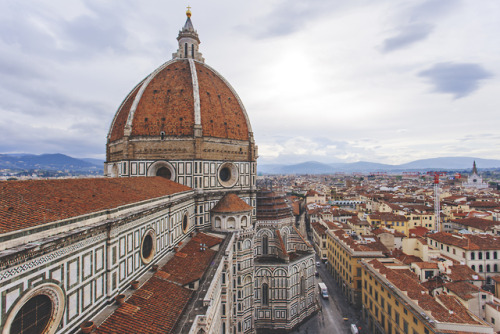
x: 318, y: 264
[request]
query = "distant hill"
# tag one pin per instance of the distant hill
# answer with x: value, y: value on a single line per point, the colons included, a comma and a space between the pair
x: 314, y: 167
x: 48, y: 162
x: 98, y: 162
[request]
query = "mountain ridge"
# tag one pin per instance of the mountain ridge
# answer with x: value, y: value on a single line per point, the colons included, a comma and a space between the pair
x: 445, y: 163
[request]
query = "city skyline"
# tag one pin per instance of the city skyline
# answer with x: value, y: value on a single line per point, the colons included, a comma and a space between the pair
x: 387, y: 82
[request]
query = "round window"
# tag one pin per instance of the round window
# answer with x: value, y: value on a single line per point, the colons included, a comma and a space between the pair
x: 164, y: 172
x: 39, y: 310
x: 228, y: 174
x: 148, y: 248
x: 34, y: 316
x: 225, y: 174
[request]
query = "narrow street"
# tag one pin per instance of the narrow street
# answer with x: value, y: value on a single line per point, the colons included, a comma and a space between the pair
x: 336, y: 315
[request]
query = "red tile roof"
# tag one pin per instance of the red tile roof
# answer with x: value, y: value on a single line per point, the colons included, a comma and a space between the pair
x: 159, y: 303
x: 462, y: 272
x: 25, y: 204
x: 190, y: 263
x: 156, y: 314
x: 406, y: 281
x: 167, y: 104
x: 468, y: 241
x: 231, y: 203
x: 464, y: 290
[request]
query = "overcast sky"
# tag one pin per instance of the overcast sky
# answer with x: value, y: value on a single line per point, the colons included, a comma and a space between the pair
x: 333, y: 81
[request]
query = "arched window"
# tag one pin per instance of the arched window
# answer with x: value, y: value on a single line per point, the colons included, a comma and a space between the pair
x: 473, y: 267
x: 265, y: 294
x: 488, y: 268
x: 244, y: 221
x: 186, y: 50
x: 192, y: 51
x: 265, y: 245
x: 302, y: 285
x: 495, y: 267
x: 495, y: 255
x: 231, y: 222
x: 217, y: 222
x: 487, y: 255
x: 480, y: 268
x: 480, y: 255
x: 472, y: 255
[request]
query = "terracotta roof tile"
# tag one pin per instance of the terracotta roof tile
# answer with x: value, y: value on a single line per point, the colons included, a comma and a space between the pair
x: 231, y: 203
x: 468, y: 241
x: 25, y: 204
x: 159, y: 303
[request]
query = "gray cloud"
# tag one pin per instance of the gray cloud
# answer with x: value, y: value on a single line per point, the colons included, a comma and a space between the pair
x: 290, y: 16
x: 432, y: 9
x: 418, y: 23
x: 459, y: 80
x: 407, y: 36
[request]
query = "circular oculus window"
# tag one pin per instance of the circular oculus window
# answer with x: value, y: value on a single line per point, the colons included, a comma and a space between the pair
x: 40, y: 310
x: 148, y: 246
x: 228, y: 174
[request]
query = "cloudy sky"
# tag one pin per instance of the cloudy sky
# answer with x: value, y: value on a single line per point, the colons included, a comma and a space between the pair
x: 382, y: 81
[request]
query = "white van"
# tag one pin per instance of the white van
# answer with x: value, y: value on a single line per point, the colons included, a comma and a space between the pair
x: 354, y: 329
x: 323, y: 291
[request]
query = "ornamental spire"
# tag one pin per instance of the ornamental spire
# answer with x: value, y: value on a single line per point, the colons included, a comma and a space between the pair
x: 474, y: 168
x: 188, y: 41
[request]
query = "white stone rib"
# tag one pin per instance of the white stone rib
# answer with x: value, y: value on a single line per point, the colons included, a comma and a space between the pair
x: 234, y: 93
x: 196, y: 92
x: 133, y: 108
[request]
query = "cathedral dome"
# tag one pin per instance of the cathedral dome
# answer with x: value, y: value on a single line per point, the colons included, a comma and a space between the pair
x: 182, y: 110
x: 180, y: 96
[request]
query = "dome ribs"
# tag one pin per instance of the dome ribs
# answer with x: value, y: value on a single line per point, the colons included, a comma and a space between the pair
x: 221, y: 114
x: 118, y: 126
x: 164, y: 106
x: 167, y: 104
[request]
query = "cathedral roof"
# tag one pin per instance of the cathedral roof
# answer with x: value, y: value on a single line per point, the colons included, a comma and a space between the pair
x: 25, y: 204
x: 158, y: 304
x: 231, y: 203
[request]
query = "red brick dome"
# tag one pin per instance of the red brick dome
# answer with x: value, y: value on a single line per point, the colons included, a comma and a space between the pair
x: 176, y: 99
x: 184, y: 110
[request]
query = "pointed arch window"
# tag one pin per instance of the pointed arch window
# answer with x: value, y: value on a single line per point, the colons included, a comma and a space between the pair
x: 265, y: 245
x: 186, y: 50
x: 265, y: 294
x: 192, y: 51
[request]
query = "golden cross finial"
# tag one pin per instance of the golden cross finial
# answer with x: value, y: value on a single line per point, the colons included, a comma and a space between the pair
x: 188, y: 12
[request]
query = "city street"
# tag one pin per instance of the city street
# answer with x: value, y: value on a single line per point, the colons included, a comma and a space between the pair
x: 336, y: 315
